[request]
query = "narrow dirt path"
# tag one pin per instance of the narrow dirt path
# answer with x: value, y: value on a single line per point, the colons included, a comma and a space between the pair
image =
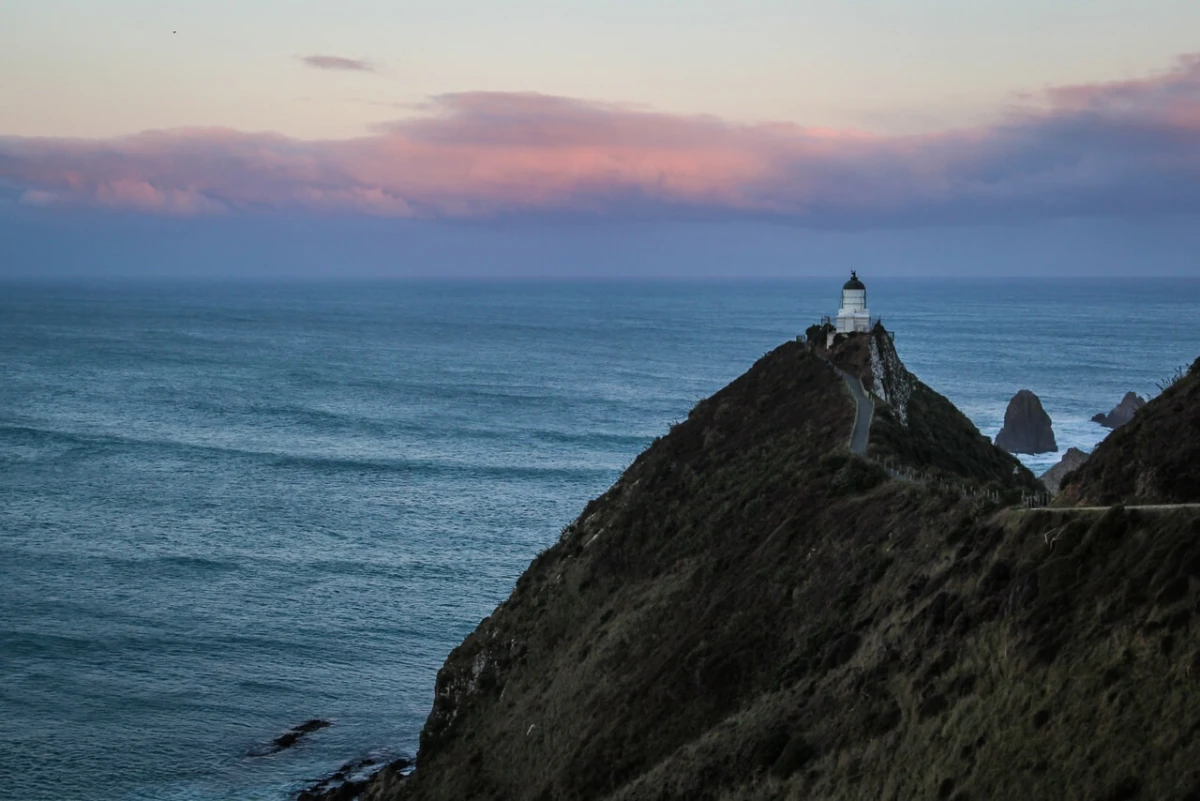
x: 1150, y: 507
x: 860, y: 434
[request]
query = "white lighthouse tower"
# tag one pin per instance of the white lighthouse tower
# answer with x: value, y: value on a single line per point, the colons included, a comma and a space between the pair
x: 853, y: 315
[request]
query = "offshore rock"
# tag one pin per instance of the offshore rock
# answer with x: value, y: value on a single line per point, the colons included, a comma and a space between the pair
x: 1072, y: 460
x: 1027, y: 427
x: 1122, y: 413
x: 353, y: 778
x: 290, y: 737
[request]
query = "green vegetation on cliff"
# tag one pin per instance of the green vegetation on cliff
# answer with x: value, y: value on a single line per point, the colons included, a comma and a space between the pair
x: 752, y: 612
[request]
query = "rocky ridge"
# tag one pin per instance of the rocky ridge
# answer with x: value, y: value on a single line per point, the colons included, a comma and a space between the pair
x: 753, y: 612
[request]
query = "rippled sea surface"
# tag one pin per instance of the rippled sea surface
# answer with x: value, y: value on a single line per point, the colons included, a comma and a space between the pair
x: 225, y: 509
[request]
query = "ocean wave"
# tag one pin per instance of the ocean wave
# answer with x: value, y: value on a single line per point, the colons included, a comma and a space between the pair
x: 191, y: 563
x: 25, y: 435
x: 432, y: 468
x: 373, y: 464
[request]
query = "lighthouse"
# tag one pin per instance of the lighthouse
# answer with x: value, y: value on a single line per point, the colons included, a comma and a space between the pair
x: 853, y: 316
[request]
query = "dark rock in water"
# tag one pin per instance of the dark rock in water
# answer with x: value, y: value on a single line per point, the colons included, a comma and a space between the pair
x: 1122, y: 413
x: 1027, y: 427
x: 1072, y: 459
x: 311, y: 726
x: 291, y: 737
x: 346, y: 791
x: 350, y: 780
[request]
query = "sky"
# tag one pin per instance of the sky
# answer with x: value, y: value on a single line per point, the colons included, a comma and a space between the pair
x: 311, y: 138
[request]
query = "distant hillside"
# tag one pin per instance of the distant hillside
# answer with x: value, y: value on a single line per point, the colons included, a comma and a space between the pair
x: 1155, y: 458
x: 753, y: 613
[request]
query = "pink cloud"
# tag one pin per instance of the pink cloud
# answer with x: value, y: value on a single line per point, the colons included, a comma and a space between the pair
x: 1131, y: 147
x: 143, y: 196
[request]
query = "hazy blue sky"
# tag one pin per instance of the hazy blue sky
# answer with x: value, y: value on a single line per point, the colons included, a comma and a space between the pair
x: 530, y: 137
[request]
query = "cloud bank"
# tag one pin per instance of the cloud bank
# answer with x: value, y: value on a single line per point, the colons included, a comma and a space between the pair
x: 338, y: 63
x: 1130, y: 148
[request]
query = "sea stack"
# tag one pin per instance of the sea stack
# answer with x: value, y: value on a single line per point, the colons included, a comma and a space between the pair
x: 1027, y: 427
x: 1122, y: 413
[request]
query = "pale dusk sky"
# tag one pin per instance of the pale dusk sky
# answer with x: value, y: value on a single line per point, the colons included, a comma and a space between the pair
x: 90, y: 68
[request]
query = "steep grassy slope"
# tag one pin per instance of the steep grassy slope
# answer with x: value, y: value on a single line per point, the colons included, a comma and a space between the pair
x: 1155, y: 458
x: 750, y: 612
x: 628, y: 638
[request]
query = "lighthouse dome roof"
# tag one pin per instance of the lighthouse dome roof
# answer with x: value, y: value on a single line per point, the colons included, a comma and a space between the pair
x: 854, y: 283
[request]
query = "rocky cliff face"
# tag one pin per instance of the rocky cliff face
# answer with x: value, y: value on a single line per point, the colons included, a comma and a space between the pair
x: 1027, y: 427
x: 751, y: 612
x: 918, y: 428
x: 889, y: 378
x: 1122, y: 413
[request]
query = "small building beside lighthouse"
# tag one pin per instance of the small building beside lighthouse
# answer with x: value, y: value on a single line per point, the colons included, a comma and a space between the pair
x: 853, y: 316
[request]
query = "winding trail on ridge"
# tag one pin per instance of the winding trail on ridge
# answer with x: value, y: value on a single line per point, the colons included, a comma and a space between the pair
x: 1148, y: 507
x: 864, y: 407
x: 864, y: 412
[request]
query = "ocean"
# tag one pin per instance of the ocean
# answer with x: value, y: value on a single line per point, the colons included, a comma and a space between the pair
x: 228, y: 508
